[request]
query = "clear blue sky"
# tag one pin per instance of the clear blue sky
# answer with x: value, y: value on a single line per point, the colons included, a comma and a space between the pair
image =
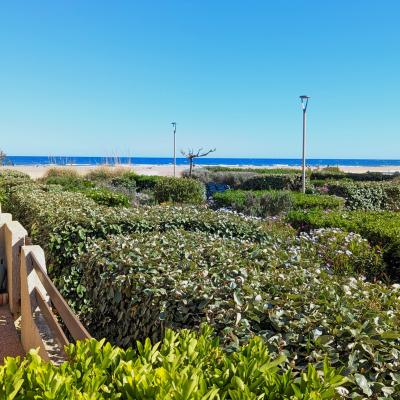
x: 107, y: 77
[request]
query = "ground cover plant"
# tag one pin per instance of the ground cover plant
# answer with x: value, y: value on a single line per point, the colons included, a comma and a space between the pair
x: 264, y: 203
x: 183, y: 366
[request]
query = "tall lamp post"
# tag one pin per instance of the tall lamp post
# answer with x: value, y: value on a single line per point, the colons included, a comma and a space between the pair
x: 174, y: 126
x: 304, y: 103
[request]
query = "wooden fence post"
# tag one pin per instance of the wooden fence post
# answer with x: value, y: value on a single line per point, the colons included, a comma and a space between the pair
x: 14, y: 235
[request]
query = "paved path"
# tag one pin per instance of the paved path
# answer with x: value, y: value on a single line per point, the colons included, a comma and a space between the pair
x: 10, y: 344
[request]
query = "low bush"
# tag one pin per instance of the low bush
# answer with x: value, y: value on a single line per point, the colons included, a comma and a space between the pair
x: 183, y: 366
x: 371, y: 196
x: 341, y: 252
x: 179, y: 190
x: 272, y: 182
x: 271, y: 171
x: 358, y: 177
x: 105, y: 173
x: 125, y: 183
x: 146, y: 182
x: 68, y: 182
x: 233, y: 179
x: 250, y: 180
x: 11, y: 178
x: 381, y: 228
x: 264, y: 203
x: 107, y: 197
x: 65, y: 172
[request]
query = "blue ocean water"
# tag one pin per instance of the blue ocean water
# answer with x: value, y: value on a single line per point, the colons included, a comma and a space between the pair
x: 72, y: 160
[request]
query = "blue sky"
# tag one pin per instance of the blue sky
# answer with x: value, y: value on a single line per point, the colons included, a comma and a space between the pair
x: 104, y: 78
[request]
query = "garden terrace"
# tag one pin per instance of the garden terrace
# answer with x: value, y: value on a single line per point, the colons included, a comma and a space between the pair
x: 134, y: 273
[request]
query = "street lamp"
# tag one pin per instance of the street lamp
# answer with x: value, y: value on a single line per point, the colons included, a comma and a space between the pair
x: 304, y: 103
x: 174, y: 126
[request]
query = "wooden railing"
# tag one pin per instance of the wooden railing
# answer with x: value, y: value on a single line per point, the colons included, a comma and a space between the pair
x: 34, y: 297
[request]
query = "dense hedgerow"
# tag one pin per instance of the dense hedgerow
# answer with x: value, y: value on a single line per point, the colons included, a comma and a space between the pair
x: 251, y: 202
x: 353, y: 176
x: 62, y: 222
x: 271, y: 171
x: 179, y: 190
x: 250, y: 180
x: 288, y: 294
x: 379, y: 227
x: 370, y: 196
x: 183, y: 366
x: 180, y: 279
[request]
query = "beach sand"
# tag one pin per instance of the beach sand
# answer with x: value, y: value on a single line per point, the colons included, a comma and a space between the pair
x: 38, y: 171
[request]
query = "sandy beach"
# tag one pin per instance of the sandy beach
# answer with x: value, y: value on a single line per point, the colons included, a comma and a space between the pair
x: 38, y: 171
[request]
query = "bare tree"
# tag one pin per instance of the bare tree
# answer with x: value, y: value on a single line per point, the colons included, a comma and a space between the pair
x: 4, y: 159
x: 191, y: 155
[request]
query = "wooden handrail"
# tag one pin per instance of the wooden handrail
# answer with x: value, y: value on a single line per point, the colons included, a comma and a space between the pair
x: 50, y: 318
x: 72, y: 323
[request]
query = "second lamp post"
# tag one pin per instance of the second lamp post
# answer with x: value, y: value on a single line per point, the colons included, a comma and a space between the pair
x: 304, y: 103
x: 174, y: 126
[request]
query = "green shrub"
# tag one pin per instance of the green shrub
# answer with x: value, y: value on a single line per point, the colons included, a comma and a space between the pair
x: 270, y: 171
x: 367, y: 176
x: 273, y: 182
x: 11, y: 173
x: 268, y: 204
x: 341, y: 252
x: 146, y: 182
x: 184, y: 365
x: 262, y: 203
x: 69, y: 182
x: 230, y: 178
x: 179, y: 190
x: 105, y: 173
x: 308, y: 201
x: 126, y: 182
x: 107, y: 197
x: 9, y: 179
x: 381, y: 228
x: 370, y: 196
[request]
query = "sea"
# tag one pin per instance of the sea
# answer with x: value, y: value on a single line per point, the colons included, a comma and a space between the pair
x: 278, y: 162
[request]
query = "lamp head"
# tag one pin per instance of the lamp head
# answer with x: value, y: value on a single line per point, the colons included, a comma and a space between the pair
x: 304, y: 101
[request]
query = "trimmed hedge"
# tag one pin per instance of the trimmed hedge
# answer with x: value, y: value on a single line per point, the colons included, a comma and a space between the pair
x: 180, y: 279
x: 270, y: 171
x: 370, y: 196
x: 183, y: 366
x: 273, y: 182
x: 179, y: 190
x: 367, y: 176
x: 250, y: 180
x: 140, y: 285
x: 381, y: 228
x: 239, y: 200
x: 107, y: 197
x: 63, y: 221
